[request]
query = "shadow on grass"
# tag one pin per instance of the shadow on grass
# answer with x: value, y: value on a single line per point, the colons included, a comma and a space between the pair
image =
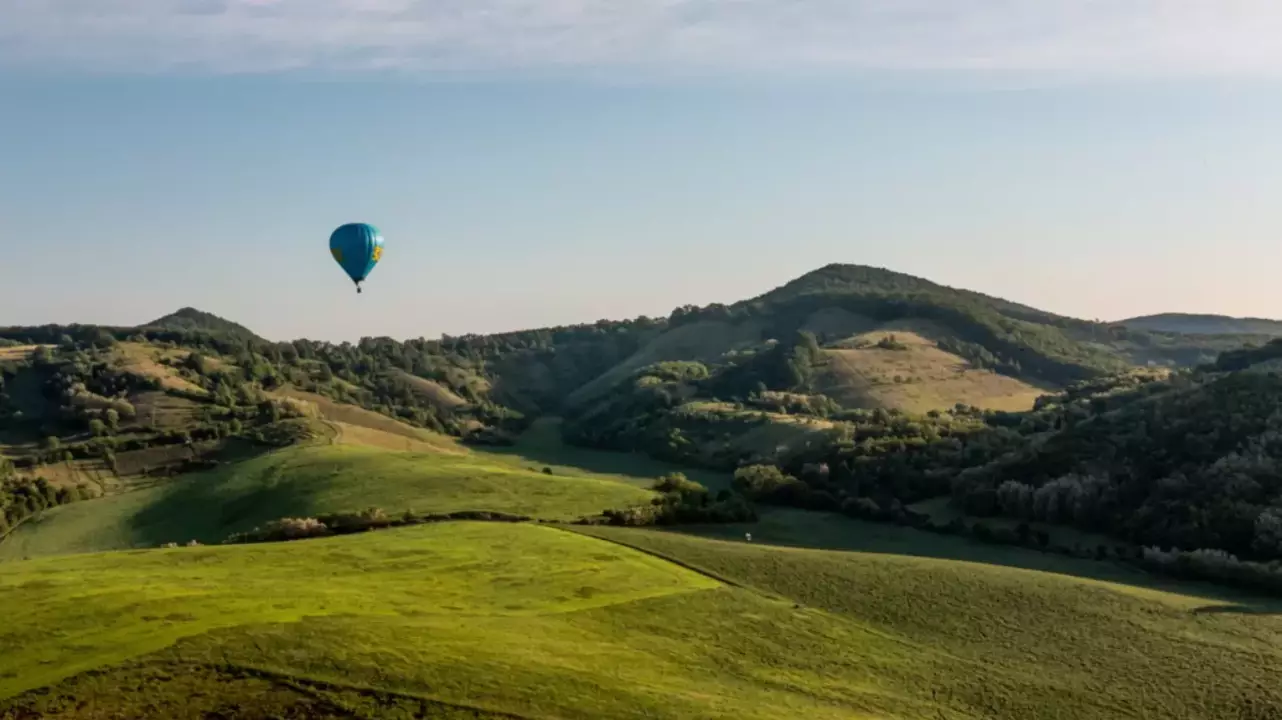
x: 542, y: 445
x: 210, y: 505
x: 1262, y: 608
x: 790, y: 527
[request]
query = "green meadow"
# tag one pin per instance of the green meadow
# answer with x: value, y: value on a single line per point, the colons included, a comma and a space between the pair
x: 309, y: 480
x: 527, y: 620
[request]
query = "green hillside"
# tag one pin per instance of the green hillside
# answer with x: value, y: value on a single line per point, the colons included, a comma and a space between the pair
x: 941, y: 442
x: 309, y: 481
x: 533, y: 621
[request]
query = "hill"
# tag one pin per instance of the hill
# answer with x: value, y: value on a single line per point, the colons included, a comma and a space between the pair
x: 982, y: 436
x: 906, y: 370
x: 519, y: 620
x: 838, y: 279
x: 867, y: 388
x: 316, y: 480
x: 1195, y: 324
x: 192, y: 320
x: 840, y: 303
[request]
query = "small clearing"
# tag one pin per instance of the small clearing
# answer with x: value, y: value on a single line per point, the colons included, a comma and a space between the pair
x: 17, y: 353
x: 439, y: 395
x: 142, y: 360
x: 909, y: 372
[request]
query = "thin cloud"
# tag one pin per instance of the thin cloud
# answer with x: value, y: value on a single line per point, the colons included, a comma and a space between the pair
x: 1088, y: 37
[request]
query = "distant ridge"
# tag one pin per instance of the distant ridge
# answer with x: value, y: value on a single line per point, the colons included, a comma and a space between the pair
x: 190, y: 319
x: 839, y: 278
x: 1203, y: 324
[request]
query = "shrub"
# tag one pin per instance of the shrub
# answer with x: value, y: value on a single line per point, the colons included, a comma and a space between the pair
x: 283, y: 529
x: 678, y: 483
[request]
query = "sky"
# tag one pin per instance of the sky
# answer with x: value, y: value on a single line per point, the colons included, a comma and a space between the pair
x: 544, y: 162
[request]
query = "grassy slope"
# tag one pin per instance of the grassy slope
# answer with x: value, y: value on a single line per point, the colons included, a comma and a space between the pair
x: 520, y: 618
x: 1019, y: 643
x: 859, y: 374
x: 141, y: 359
x: 311, y: 480
x: 440, y: 396
x: 188, y: 691
x: 354, y: 425
x: 539, y: 622
x: 72, y: 614
x: 541, y: 446
x: 704, y: 340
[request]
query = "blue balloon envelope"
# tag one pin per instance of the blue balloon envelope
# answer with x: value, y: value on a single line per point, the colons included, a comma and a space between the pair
x: 357, y: 248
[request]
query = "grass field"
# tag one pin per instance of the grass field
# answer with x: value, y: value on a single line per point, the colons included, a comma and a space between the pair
x: 917, y: 378
x: 439, y: 395
x: 311, y: 480
x: 1018, y: 643
x: 436, y: 587
x: 354, y: 425
x: 541, y: 446
x: 792, y: 527
x: 536, y: 622
x: 141, y: 359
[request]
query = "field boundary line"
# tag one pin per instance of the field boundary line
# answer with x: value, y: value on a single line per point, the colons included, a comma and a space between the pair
x: 836, y: 616
x: 300, y: 682
x: 675, y: 561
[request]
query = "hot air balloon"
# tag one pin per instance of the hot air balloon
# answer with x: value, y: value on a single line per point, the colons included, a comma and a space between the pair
x: 357, y: 248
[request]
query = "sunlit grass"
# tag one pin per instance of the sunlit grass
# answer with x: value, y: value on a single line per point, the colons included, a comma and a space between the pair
x: 1020, y: 643
x: 311, y: 480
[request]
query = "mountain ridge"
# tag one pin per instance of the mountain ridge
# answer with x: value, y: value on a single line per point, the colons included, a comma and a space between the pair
x: 1205, y: 324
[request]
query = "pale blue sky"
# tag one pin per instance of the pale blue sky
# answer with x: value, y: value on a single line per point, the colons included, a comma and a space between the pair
x: 536, y: 163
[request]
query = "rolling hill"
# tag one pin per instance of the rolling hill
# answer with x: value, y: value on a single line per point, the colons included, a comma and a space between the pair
x: 1026, y: 464
x: 314, y: 480
x: 520, y: 620
x: 1195, y: 324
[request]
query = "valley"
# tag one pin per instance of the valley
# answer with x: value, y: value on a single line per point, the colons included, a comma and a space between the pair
x: 859, y: 495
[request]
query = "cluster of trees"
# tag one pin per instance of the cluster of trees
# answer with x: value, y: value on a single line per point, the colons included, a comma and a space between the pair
x: 680, y: 501
x: 1177, y: 462
x: 21, y: 497
x: 347, y: 523
x: 1198, y: 467
x: 787, y: 366
x: 79, y: 397
x: 531, y: 371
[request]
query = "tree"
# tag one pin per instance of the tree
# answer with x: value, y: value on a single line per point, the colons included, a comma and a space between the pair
x: 112, y: 419
x: 97, y: 428
x: 1268, y: 532
x: 678, y: 483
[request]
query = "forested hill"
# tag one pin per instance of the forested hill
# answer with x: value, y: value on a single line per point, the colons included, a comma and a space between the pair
x: 955, y: 339
x: 1195, y: 324
x: 191, y: 319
